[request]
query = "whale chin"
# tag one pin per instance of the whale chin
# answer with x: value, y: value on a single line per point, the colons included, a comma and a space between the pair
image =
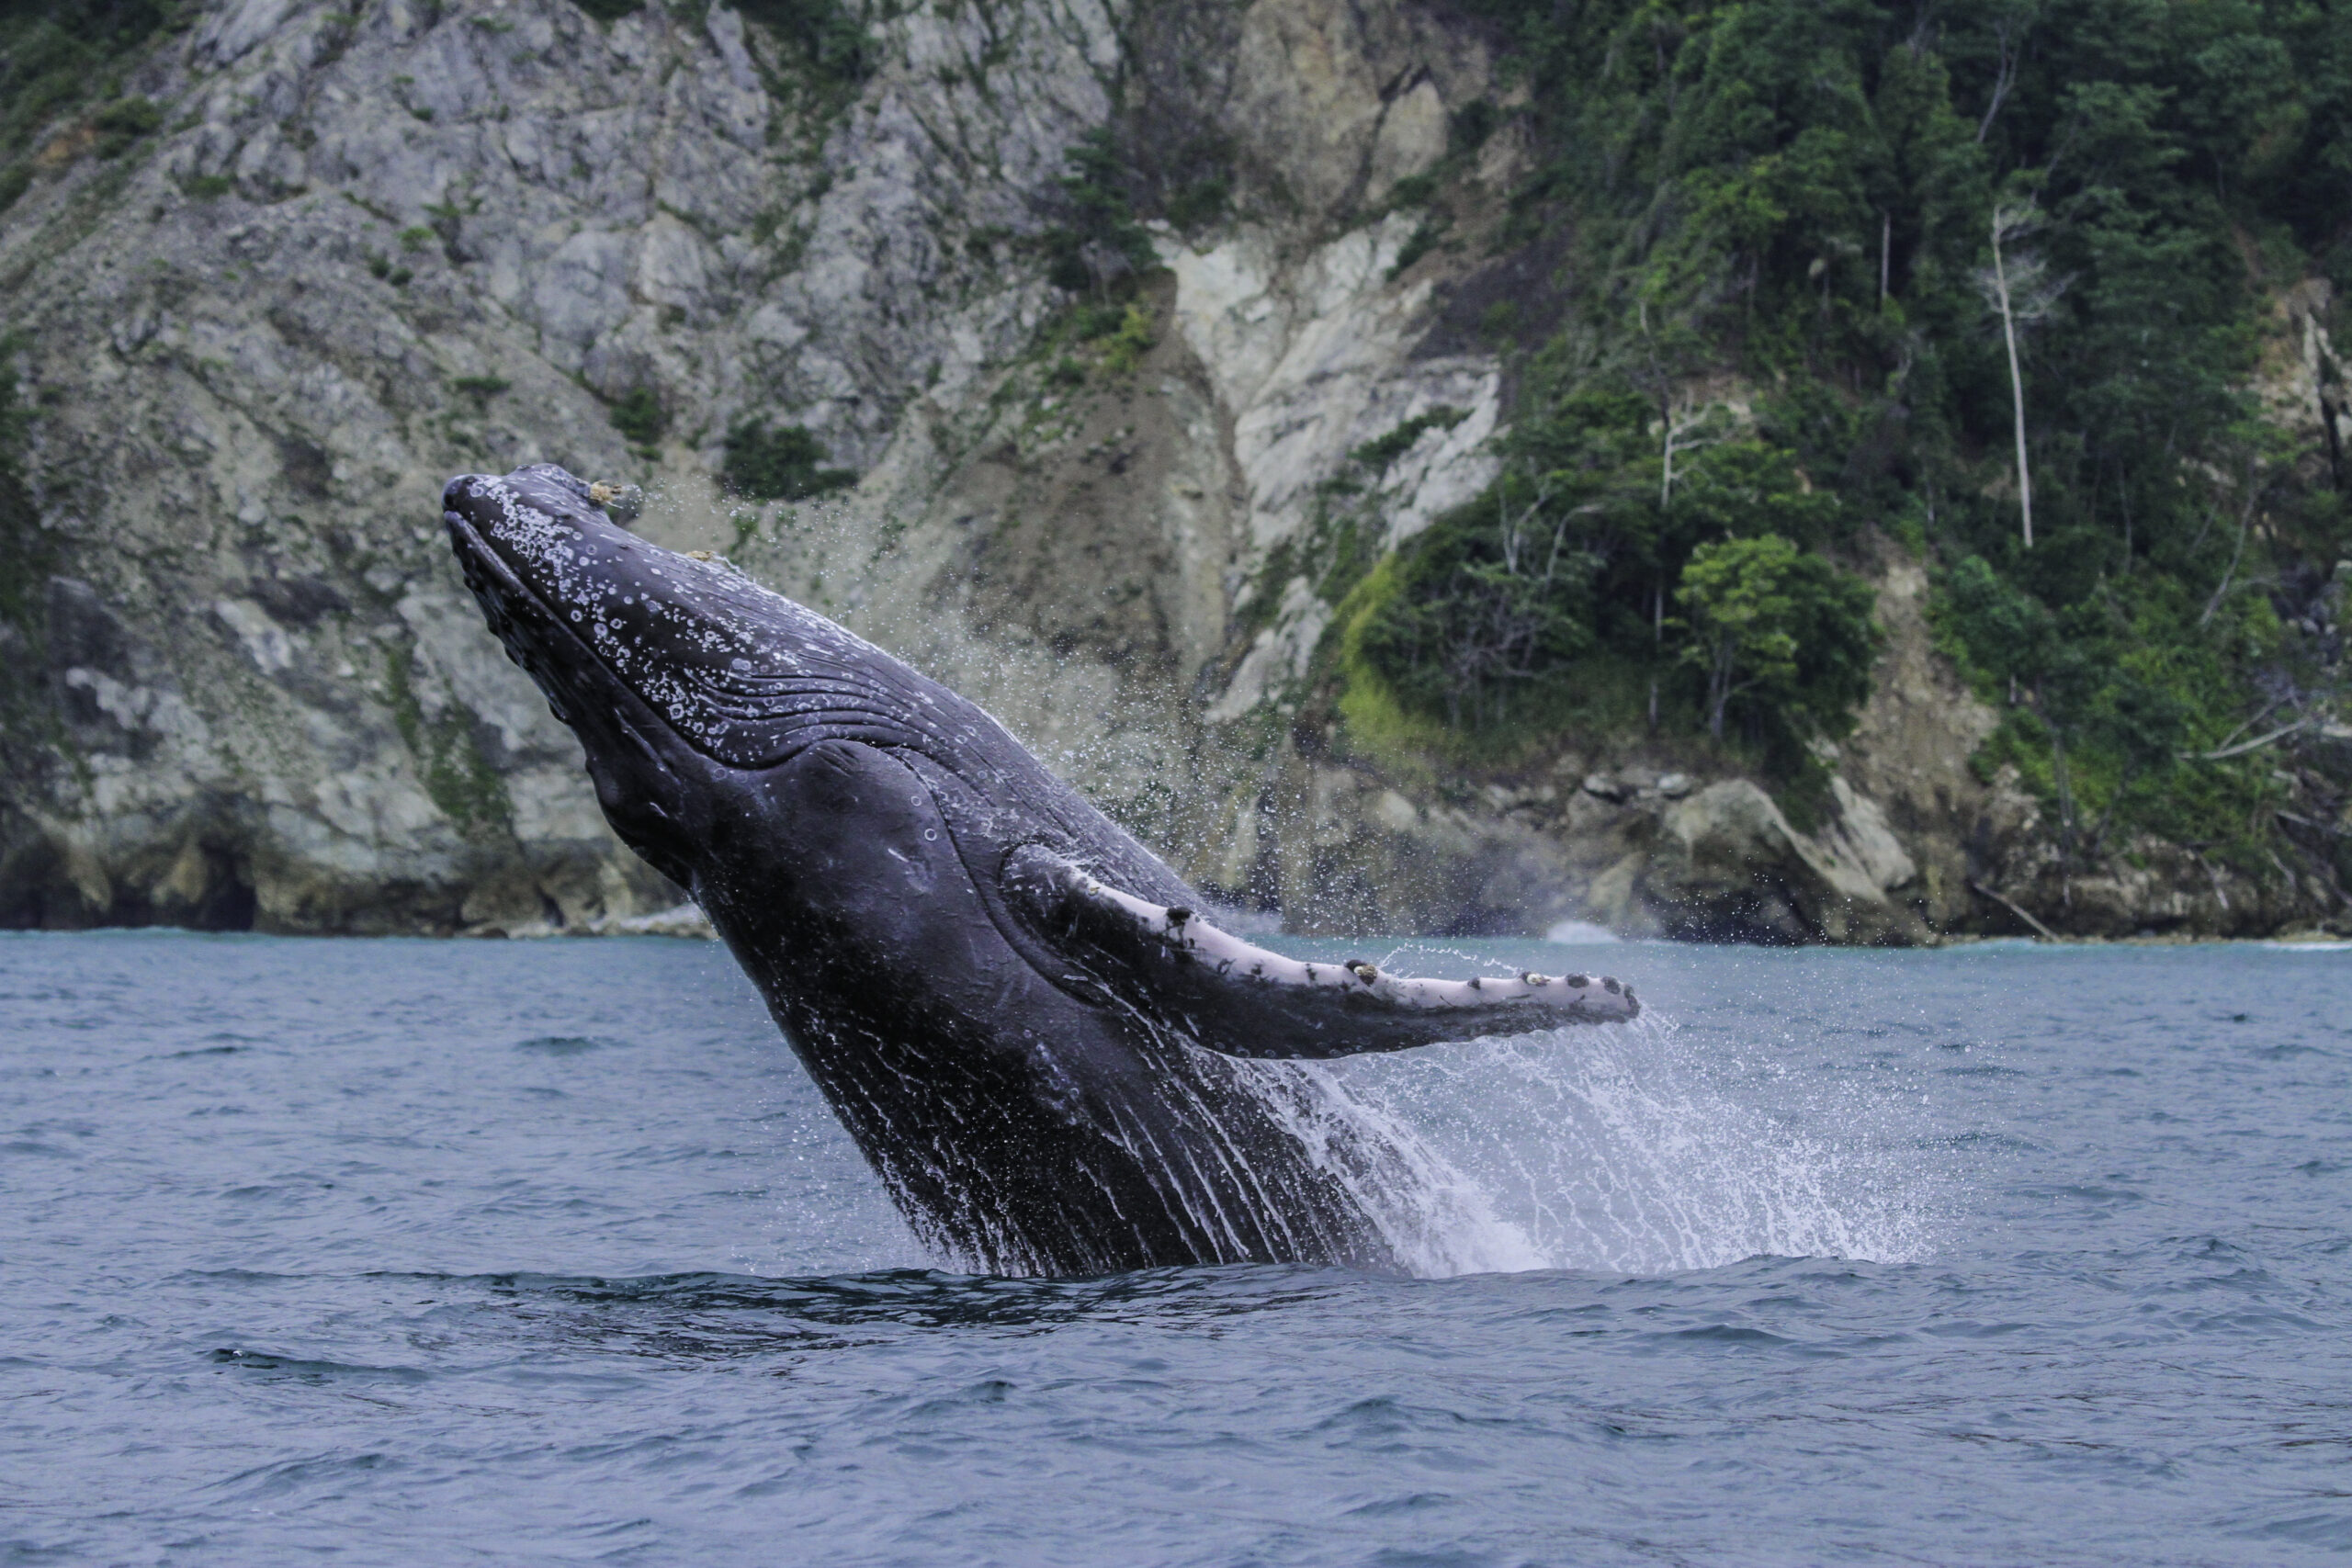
x: 742, y: 675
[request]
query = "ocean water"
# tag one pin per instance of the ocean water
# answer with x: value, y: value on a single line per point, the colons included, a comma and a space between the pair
x: 412, y: 1252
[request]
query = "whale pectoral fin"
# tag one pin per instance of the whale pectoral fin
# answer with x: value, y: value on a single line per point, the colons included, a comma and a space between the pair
x: 1179, y: 970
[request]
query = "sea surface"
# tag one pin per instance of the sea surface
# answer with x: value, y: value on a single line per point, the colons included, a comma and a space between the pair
x: 420, y: 1253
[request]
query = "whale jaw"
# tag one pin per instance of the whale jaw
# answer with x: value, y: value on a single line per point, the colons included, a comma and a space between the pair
x: 647, y: 780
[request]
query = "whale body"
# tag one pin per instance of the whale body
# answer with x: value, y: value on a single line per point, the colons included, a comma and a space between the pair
x: 1019, y: 1014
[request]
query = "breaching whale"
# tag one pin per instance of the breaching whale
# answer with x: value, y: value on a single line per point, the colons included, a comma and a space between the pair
x: 1020, y: 1013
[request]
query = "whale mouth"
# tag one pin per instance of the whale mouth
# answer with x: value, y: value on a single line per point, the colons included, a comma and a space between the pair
x: 502, y: 593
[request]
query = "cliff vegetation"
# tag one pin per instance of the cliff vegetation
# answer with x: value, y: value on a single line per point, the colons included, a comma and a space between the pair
x: 2036, y: 294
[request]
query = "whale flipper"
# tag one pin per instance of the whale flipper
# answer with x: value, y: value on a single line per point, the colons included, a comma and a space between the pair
x: 1179, y: 970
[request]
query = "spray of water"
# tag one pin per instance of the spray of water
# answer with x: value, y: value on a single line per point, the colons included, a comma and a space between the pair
x: 1601, y: 1150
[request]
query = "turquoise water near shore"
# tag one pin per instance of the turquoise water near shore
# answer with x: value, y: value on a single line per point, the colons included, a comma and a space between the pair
x: 410, y: 1252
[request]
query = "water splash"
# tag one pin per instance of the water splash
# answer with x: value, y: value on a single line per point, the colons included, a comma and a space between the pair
x: 1604, y: 1149
x: 1433, y: 1217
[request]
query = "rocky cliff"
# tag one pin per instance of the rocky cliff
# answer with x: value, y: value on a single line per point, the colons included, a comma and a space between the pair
x: 358, y: 250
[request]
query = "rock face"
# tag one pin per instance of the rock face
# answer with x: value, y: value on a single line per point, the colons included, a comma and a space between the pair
x: 1638, y: 852
x: 373, y: 246
x: 380, y: 249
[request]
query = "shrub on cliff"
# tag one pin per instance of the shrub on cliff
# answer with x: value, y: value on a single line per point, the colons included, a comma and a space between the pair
x: 1098, y: 241
x: 1489, y: 604
x: 828, y: 36
x: 56, y: 55
x: 784, y: 463
x: 1784, y: 632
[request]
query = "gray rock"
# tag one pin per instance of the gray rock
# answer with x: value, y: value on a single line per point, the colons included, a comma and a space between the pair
x: 444, y: 243
x: 1729, y: 866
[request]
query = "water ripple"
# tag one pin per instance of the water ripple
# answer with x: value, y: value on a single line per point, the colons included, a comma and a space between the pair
x: 402, y: 1252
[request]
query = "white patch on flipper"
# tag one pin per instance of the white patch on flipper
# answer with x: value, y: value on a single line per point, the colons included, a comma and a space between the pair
x: 1589, y: 999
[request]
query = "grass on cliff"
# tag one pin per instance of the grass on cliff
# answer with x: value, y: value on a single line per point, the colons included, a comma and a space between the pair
x: 470, y: 791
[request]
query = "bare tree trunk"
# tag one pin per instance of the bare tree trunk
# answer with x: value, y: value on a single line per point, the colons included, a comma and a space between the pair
x: 2245, y: 520
x: 1719, y: 689
x: 2002, y: 80
x: 2066, y: 792
x: 2017, y: 378
x: 1687, y: 436
x: 2257, y: 744
x: 1666, y: 466
x: 1885, y: 241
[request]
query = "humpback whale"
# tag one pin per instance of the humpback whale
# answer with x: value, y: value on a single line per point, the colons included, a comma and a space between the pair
x: 1029, y: 1024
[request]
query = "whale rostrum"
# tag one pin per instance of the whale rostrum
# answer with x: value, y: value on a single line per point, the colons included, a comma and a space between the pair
x: 1021, y: 1014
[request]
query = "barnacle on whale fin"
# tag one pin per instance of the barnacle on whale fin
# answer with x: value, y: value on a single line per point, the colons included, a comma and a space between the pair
x: 623, y: 503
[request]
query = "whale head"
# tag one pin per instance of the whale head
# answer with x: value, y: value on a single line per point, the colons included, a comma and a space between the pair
x: 680, y: 675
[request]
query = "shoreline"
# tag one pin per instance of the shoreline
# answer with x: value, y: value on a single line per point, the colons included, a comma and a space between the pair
x: 685, y: 922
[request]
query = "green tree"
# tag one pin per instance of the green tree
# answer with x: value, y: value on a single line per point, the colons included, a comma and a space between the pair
x: 1099, y: 242
x: 1780, y: 312
x: 2115, y: 718
x: 1783, y: 628
x: 1492, y: 603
